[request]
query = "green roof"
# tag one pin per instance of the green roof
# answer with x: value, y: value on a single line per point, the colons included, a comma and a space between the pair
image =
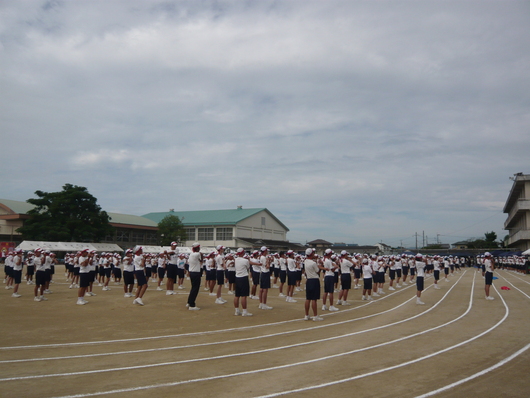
x: 17, y: 206
x: 211, y: 217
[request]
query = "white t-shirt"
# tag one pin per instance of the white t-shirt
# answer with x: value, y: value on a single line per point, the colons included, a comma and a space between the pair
x: 311, y: 269
x: 242, y: 266
x: 220, y: 262
x: 328, y: 265
x: 291, y: 264
x: 195, y: 262
x: 138, y: 260
x: 345, y: 266
x: 128, y: 264
x: 420, y: 266
x: 264, y: 268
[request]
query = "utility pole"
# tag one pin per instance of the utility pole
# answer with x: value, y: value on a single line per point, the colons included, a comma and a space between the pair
x: 423, y: 238
x: 416, y: 241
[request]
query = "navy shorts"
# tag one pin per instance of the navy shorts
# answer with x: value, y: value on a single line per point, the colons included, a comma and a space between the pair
x: 283, y: 276
x: 255, y: 278
x: 180, y: 273
x: 265, y: 280
x: 405, y: 271
x: 345, y: 281
x: 357, y: 273
x: 419, y: 283
x: 436, y: 275
x: 232, y: 277
x: 291, y: 278
x: 128, y: 278
x: 367, y: 283
x: 30, y: 271
x: 220, y: 275
x: 488, y: 278
x: 140, y: 277
x: 40, y: 278
x: 398, y: 273
x: 171, y: 270
x: 329, y: 284
x: 161, y: 272
x: 148, y: 272
x: 107, y: 272
x: 17, y: 276
x: 242, y: 287
x: 312, y: 289
x: 392, y: 274
x: 84, y: 279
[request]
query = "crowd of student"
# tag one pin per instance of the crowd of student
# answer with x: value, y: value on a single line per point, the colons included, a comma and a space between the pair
x: 244, y: 275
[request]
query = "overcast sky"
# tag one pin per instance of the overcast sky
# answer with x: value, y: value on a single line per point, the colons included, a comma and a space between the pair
x: 351, y: 121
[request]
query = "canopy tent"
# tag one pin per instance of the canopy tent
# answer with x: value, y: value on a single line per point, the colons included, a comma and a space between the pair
x: 28, y: 245
x: 183, y: 249
x: 526, y: 253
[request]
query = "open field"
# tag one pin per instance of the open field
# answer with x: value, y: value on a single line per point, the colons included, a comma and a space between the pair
x: 388, y: 348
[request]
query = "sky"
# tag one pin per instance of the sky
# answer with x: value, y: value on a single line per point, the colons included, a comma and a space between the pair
x: 351, y: 121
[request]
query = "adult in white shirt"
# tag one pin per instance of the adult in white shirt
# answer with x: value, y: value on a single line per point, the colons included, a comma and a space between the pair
x: 489, y: 266
x: 242, y: 285
x: 195, y: 263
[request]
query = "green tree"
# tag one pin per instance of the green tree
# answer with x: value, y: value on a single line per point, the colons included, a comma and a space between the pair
x: 71, y: 215
x: 170, y: 229
x: 491, y: 238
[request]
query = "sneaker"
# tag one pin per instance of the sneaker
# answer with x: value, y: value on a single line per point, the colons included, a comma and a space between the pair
x: 170, y: 292
x: 16, y: 295
x: 180, y: 287
x: 254, y: 297
x: 238, y: 312
x: 375, y: 294
x: 317, y: 318
x: 42, y: 298
x: 490, y: 298
x: 381, y: 292
x: 275, y: 286
x: 437, y: 287
x: 159, y: 289
x: 246, y: 314
x: 418, y: 301
x: 219, y: 301
x: 71, y: 286
x: 307, y: 318
x: 206, y: 288
x: 193, y: 308
x: 138, y: 301
x: 47, y: 291
x: 339, y: 302
x: 405, y: 283
x: 297, y: 289
x: 223, y: 300
x: 292, y: 300
x: 265, y: 307
x: 37, y: 298
x: 345, y: 303
x: 80, y: 301
x: 213, y: 294
x: 364, y: 298
x: 281, y: 295
x: 391, y: 288
x: 324, y: 308
x: 333, y: 308
x: 106, y: 288
x: 231, y: 292
x: 370, y: 298
x: 398, y: 286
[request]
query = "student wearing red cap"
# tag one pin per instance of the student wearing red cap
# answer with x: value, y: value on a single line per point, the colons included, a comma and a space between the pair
x: 489, y: 266
x: 139, y: 272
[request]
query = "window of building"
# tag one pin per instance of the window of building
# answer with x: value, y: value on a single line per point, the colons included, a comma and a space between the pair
x: 223, y: 234
x: 205, y: 233
x: 122, y: 236
x: 190, y: 233
x: 262, y: 221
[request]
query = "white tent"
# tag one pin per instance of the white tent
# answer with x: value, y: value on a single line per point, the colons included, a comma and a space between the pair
x: 526, y: 253
x: 68, y: 246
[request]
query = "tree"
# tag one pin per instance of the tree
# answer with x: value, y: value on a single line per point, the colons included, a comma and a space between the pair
x: 71, y: 215
x: 170, y: 229
x: 491, y: 238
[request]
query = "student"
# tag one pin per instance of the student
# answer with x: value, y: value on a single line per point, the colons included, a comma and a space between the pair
x: 84, y: 272
x: 30, y: 269
x: 436, y: 271
x: 256, y: 270
x: 231, y: 273
x: 489, y: 266
x: 116, y: 269
x: 107, y: 270
x: 265, y: 278
x: 367, y: 279
x: 92, y: 271
x: 242, y: 285
x: 283, y: 271
x: 346, y: 266
x: 128, y: 273
x: 329, y: 280
x: 419, y: 265
x: 220, y: 268
x: 171, y: 268
x: 181, y: 270
x: 8, y: 269
x: 291, y: 276
x: 312, y: 284
x: 195, y: 263
x: 18, y: 264
x: 161, y: 268
x: 139, y: 273
x: 40, y: 276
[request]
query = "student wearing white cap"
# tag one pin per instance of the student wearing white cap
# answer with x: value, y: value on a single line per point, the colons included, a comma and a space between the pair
x: 84, y: 270
x: 436, y: 271
x: 161, y: 268
x: 195, y: 263
x: 291, y: 276
x: 40, y: 275
x: 220, y: 268
x: 265, y: 278
x: 419, y: 265
x: 367, y: 279
x: 329, y: 280
x: 171, y: 268
x: 255, y: 273
x: 312, y: 292
x: 139, y: 272
x: 242, y: 285
x: 283, y: 272
x: 18, y: 264
x: 346, y: 266
x: 489, y: 266
x: 128, y: 273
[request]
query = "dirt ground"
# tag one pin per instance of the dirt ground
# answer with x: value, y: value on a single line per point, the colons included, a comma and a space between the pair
x: 391, y: 347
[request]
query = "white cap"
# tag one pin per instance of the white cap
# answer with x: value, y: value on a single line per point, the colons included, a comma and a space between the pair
x: 309, y: 251
x: 263, y: 248
x: 328, y: 252
x: 220, y: 247
x: 196, y: 244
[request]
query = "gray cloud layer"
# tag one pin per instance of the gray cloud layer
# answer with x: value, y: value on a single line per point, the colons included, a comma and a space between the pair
x: 351, y: 121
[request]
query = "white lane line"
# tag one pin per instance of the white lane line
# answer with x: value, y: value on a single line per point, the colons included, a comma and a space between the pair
x: 481, y: 373
x: 244, y: 353
x: 277, y: 367
x: 236, y: 340
x: 193, y: 334
x: 507, y: 312
x: 515, y: 287
x: 515, y: 276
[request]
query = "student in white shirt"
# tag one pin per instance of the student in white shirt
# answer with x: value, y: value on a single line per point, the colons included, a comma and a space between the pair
x: 312, y: 291
x: 195, y: 264
x: 139, y: 272
x: 489, y: 266
x: 242, y: 285
x: 419, y: 265
x: 329, y: 280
